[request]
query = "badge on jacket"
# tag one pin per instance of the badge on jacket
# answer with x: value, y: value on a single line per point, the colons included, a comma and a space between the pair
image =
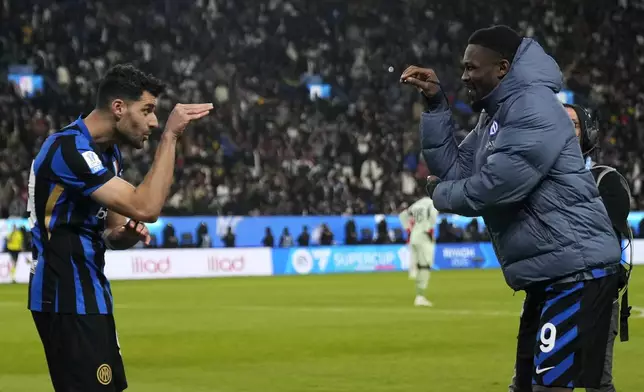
x: 494, y: 128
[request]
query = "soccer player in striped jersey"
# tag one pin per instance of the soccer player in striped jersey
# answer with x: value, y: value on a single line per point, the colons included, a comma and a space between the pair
x: 79, y: 207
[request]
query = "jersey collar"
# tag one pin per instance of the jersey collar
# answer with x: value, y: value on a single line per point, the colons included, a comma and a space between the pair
x: 81, y: 125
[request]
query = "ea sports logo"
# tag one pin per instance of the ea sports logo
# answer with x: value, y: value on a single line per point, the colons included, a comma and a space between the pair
x: 302, y: 261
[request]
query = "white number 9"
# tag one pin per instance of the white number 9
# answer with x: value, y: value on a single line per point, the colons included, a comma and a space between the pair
x: 548, y: 343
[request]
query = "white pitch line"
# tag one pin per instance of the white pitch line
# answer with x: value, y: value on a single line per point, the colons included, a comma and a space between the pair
x: 310, y: 309
x: 336, y: 309
x: 637, y: 312
x: 323, y: 309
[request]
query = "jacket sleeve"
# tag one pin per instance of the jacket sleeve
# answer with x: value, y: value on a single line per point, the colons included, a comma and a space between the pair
x: 529, y: 140
x: 443, y: 156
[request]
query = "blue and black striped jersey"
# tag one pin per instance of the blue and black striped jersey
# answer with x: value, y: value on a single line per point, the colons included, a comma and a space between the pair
x: 69, y: 253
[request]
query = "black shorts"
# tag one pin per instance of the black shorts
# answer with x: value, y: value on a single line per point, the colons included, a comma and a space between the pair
x: 563, y: 334
x: 14, y: 256
x: 83, y: 354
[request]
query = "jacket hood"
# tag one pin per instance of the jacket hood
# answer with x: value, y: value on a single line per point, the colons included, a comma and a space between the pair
x: 532, y: 66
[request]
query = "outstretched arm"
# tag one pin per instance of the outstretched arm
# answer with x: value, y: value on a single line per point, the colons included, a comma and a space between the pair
x: 79, y: 167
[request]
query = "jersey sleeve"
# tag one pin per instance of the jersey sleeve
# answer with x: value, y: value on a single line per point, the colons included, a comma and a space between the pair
x: 78, y: 167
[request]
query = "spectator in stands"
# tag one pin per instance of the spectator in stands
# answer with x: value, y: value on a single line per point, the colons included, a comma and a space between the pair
x: 448, y: 233
x: 170, y: 239
x: 203, y: 238
x: 286, y: 240
x: 304, y: 237
x: 269, y: 149
x: 382, y: 233
x: 366, y: 236
x: 229, y: 238
x: 326, y: 237
x: 350, y: 233
x: 472, y: 233
x: 269, y: 240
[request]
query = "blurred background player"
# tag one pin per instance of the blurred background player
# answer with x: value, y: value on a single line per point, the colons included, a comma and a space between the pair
x: 80, y: 208
x: 419, y: 219
x: 15, y: 241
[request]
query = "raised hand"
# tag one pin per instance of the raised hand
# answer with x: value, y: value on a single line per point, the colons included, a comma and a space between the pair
x: 182, y: 114
x: 424, y: 79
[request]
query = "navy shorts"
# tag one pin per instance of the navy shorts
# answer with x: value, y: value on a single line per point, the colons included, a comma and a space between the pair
x: 563, y: 334
x: 82, y: 351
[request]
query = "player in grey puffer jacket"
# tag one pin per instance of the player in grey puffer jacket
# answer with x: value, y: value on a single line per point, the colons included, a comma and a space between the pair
x: 521, y: 168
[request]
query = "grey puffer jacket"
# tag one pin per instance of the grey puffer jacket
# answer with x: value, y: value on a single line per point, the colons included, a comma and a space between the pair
x: 522, y: 169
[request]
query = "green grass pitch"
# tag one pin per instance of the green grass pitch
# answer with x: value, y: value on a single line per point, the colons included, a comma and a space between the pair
x: 332, y: 333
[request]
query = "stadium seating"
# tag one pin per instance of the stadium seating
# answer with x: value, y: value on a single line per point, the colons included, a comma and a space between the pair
x: 270, y: 149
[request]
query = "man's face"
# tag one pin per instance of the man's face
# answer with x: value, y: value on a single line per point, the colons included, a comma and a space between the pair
x: 137, y: 120
x: 575, y: 120
x: 483, y: 69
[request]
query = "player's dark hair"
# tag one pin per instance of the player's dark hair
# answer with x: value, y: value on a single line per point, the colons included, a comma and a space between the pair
x: 501, y: 39
x: 126, y: 82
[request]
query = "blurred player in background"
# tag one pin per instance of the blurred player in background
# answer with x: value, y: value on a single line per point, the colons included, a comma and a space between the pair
x: 15, y: 240
x: 521, y: 168
x: 80, y: 207
x: 419, y: 220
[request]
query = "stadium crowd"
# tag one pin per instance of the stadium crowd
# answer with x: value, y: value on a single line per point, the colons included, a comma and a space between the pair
x: 269, y: 148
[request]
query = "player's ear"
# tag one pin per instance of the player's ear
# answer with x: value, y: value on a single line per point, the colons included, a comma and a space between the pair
x: 119, y: 108
x: 504, y: 68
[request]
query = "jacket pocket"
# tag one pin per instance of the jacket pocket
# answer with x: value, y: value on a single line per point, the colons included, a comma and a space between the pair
x: 540, y: 228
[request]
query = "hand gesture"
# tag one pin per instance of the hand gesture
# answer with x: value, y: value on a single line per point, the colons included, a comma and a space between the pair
x: 133, y: 231
x: 432, y: 183
x: 424, y: 79
x: 182, y: 114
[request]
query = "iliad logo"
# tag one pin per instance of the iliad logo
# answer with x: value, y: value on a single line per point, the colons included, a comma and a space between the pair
x: 142, y: 265
x: 225, y: 264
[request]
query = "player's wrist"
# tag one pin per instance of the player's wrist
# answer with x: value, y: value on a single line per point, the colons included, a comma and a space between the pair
x: 169, y: 136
